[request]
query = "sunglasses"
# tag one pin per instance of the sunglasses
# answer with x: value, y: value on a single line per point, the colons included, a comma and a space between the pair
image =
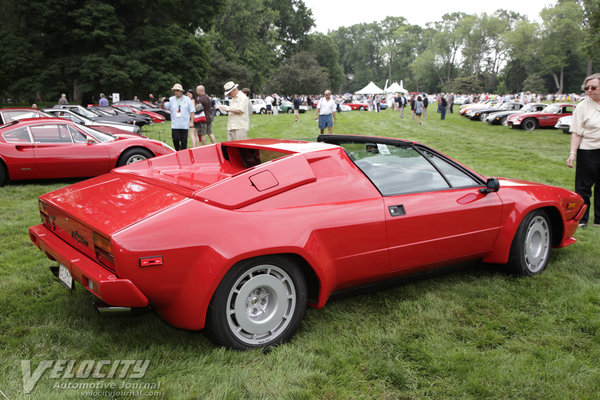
x: 586, y: 88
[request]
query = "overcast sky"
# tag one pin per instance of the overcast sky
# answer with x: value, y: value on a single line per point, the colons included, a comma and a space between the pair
x: 331, y: 14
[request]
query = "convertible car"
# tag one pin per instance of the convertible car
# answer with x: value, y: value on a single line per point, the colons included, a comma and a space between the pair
x: 49, y: 148
x: 548, y: 117
x: 239, y: 237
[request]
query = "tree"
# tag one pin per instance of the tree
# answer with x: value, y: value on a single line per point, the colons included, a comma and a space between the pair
x: 327, y: 55
x: 302, y: 74
x: 534, y: 84
x: 560, y: 38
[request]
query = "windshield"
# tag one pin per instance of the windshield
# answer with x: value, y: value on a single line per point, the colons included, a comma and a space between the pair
x: 552, y: 108
x: 100, y: 136
x: 83, y: 112
x: 531, y: 107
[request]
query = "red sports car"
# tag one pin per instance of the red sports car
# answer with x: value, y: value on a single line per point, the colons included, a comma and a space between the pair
x: 548, y: 117
x: 356, y: 105
x: 46, y: 148
x: 238, y: 237
x: 156, y: 118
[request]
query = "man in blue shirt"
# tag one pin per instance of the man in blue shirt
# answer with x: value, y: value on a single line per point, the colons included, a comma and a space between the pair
x: 182, y: 116
x: 103, y: 100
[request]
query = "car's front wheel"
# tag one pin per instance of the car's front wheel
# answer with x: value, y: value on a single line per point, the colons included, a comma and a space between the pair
x: 361, y: 108
x: 217, y: 113
x: 134, y: 155
x: 503, y: 121
x: 482, y: 117
x: 530, y: 249
x: 529, y: 124
x: 289, y: 111
x: 263, y: 110
x: 259, y: 303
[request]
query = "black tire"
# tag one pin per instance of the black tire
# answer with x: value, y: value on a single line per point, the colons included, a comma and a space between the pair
x: 530, y: 249
x: 289, y: 111
x: 134, y: 155
x: 529, y: 124
x: 217, y: 113
x: 503, y: 121
x: 361, y: 108
x: 263, y: 111
x: 259, y: 303
x: 482, y: 117
x: 567, y: 131
x: 3, y: 174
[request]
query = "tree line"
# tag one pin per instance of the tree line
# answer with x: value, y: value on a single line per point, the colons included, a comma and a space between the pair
x: 135, y: 47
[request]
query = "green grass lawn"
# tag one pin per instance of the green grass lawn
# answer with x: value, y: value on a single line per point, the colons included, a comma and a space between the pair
x: 472, y: 333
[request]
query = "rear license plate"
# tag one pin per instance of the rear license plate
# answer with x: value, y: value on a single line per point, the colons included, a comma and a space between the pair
x: 64, y: 276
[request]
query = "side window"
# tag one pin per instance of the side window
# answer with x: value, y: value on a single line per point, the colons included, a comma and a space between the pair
x: 395, y: 170
x: 455, y: 176
x: 51, y: 134
x: 20, y: 135
x: 77, y: 136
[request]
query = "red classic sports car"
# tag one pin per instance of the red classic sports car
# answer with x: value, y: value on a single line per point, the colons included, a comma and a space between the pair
x: 238, y: 237
x: 156, y: 118
x: 356, y: 105
x: 548, y: 117
x: 46, y: 148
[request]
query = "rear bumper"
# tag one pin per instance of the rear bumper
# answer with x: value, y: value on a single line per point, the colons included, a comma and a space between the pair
x: 96, y: 279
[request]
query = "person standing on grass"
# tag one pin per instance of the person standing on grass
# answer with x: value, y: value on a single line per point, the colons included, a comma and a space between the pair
x: 103, y: 102
x: 237, y: 118
x: 443, y: 105
x: 182, y: 116
x: 419, y: 109
x: 203, y: 102
x: 585, y: 146
x: 297, y: 103
x: 325, y: 110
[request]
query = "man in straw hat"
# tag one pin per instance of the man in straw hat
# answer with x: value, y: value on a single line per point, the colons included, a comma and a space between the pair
x: 182, y: 116
x: 237, y: 120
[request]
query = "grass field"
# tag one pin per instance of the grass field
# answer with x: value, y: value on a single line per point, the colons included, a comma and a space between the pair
x: 472, y: 333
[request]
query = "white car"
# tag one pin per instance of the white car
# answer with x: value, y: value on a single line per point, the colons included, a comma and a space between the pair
x: 258, y: 106
x: 564, y: 123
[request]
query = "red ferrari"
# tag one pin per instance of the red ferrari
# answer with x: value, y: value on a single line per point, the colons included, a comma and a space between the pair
x: 356, y: 105
x: 46, y: 148
x: 548, y: 117
x: 239, y: 237
x: 156, y: 118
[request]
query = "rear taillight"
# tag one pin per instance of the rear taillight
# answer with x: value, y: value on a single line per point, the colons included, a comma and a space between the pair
x: 103, y: 251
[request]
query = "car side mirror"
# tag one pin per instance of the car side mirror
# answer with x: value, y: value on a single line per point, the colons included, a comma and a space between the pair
x: 492, y: 185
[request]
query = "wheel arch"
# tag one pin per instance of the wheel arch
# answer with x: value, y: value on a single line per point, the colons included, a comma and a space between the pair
x: 501, y: 251
x: 135, y: 147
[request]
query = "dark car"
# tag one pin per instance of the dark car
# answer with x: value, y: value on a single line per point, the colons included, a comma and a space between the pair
x: 144, y: 106
x: 78, y: 118
x: 97, y: 116
x: 499, y: 117
x: 480, y: 114
x: 140, y: 120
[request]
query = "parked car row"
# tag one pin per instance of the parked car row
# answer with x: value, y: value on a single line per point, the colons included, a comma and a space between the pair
x: 44, y: 147
x: 516, y: 115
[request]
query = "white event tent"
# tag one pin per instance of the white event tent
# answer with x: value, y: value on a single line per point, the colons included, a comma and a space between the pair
x: 371, y: 88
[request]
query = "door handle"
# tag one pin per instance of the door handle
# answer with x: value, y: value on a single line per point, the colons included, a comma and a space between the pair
x: 397, y: 211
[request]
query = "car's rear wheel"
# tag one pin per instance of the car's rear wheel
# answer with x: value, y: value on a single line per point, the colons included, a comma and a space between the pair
x: 482, y: 117
x: 259, y: 303
x: 3, y: 174
x: 134, y: 155
x: 289, y: 111
x: 529, y: 124
x: 567, y: 131
x: 361, y: 108
x: 530, y: 249
x: 263, y: 110
x: 217, y: 113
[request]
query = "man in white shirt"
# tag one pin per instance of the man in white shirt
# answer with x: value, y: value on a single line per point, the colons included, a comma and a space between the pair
x: 325, y: 110
x: 238, y: 121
